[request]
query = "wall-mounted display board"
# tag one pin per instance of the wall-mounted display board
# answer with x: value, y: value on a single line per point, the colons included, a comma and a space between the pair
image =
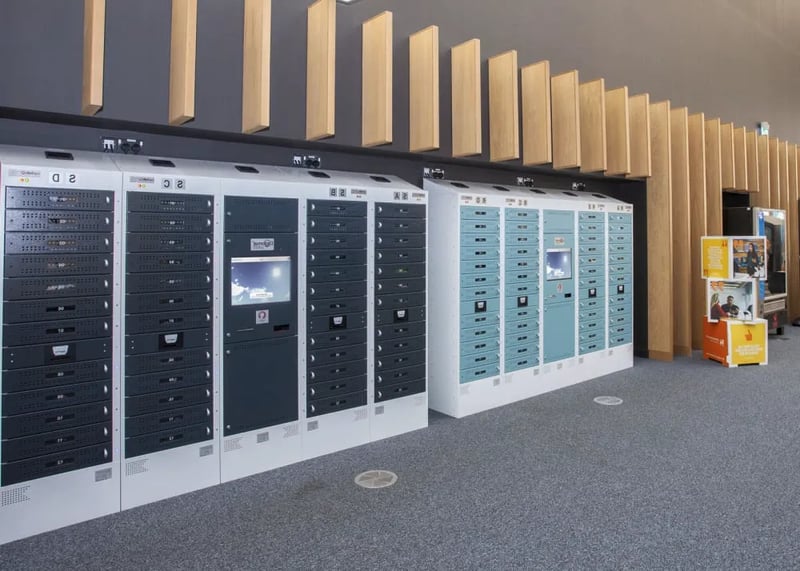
x: 783, y: 167
x: 565, y: 101
x: 753, y: 177
x: 466, y: 105
x: 774, y: 173
x: 504, y: 107
x: 423, y: 86
x: 321, y: 70
x: 537, y: 133
x: 376, y: 80
x: 740, y: 159
x: 256, y: 65
x: 713, y: 177
x: 727, y: 158
x: 659, y: 233
x: 641, y: 162
x: 94, y: 38
x: 697, y: 192
x: 183, y: 52
x: 618, y: 132
x: 681, y: 233
x: 762, y: 197
x: 594, y: 156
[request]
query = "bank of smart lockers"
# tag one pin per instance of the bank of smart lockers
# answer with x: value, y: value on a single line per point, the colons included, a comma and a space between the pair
x: 531, y: 290
x: 170, y: 324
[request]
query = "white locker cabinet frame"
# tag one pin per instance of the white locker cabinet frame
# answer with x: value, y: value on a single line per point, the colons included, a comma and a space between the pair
x: 446, y: 393
x: 167, y: 473
x: 51, y: 502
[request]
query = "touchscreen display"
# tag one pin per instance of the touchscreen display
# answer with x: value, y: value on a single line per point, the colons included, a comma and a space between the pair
x: 559, y: 264
x: 260, y: 280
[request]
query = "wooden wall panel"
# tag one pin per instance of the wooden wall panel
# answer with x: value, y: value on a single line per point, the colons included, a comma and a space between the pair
x: 727, y: 158
x: 466, y: 106
x: 94, y: 45
x: 660, y: 344
x: 376, y: 80
x: 321, y: 70
x: 641, y: 162
x: 774, y: 174
x: 182, y: 58
x: 504, y: 107
x: 256, y: 65
x: 713, y: 178
x: 793, y: 236
x: 783, y: 167
x: 618, y: 132
x: 697, y: 192
x: 740, y: 158
x: 565, y: 103
x: 423, y: 86
x: 681, y: 233
x: 753, y: 177
x: 762, y: 197
x: 537, y: 133
x: 594, y: 156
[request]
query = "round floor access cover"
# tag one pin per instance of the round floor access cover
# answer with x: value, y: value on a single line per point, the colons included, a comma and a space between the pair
x: 608, y: 401
x: 374, y: 479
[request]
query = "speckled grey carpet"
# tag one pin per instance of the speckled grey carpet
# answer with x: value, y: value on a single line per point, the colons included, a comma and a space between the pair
x: 699, y: 468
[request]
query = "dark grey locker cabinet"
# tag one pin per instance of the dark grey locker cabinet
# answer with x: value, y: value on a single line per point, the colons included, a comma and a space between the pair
x: 169, y: 287
x: 400, y: 285
x: 260, y: 340
x: 336, y: 306
x: 57, y: 332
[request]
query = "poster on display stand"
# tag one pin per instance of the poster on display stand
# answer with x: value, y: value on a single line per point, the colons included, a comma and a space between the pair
x: 731, y: 299
x: 734, y: 257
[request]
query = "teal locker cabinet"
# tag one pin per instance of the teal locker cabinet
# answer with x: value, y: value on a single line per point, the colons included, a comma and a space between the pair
x: 620, y: 279
x: 592, y: 291
x: 559, y: 285
x: 521, y: 289
x: 479, y: 325
x: 520, y: 283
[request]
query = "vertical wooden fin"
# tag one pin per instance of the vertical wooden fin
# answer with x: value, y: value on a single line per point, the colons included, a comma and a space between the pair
x: 618, y: 131
x: 256, y: 65
x: 681, y: 233
x: 321, y: 71
x: 537, y: 132
x: 467, y: 129
x: 423, y: 118
x: 697, y: 192
x: 713, y: 178
x: 660, y: 343
x: 94, y: 44
x: 594, y: 156
x: 376, y: 80
x: 504, y: 107
x: 182, y: 56
x: 641, y: 162
x: 565, y: 103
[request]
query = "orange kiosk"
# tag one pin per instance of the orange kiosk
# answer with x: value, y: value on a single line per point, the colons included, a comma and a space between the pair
x: 732, y: 335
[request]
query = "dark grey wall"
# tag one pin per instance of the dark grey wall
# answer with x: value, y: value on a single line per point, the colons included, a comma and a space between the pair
x: 737, y: 59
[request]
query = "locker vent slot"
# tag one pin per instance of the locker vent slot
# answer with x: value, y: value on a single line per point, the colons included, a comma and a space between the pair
x: 206, y: 450
x: 14, y: 496
x: 233, y: 444
x: 136, y: 467
x: 102, y: 475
